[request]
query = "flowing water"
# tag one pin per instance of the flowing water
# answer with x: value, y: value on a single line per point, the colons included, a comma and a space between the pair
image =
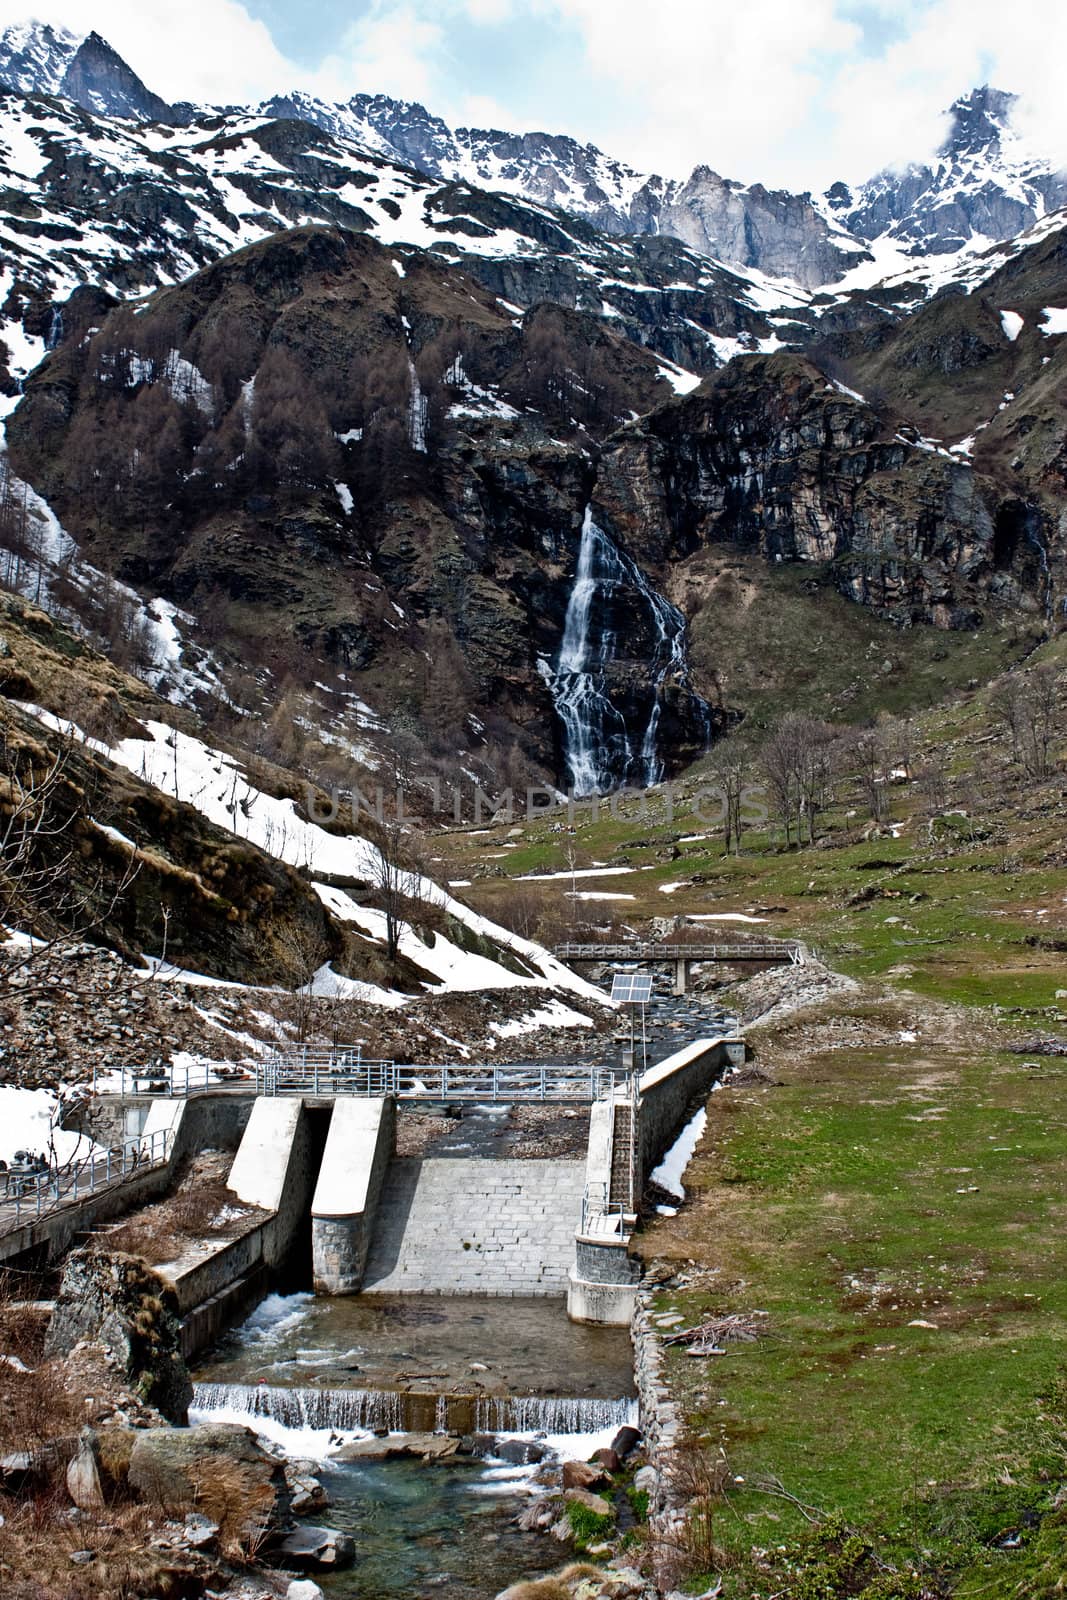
x: 601, y: 749
x: 308, y: 1373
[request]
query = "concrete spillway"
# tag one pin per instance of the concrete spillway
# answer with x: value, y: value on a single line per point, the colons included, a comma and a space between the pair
x: 476, y: 1227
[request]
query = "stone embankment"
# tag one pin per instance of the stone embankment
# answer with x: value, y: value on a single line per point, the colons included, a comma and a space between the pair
x: 662, y: 1423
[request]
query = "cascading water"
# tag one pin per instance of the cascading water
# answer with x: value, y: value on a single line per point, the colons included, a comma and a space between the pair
x: 601, y: 749
x: 421, y: 1531
x: 388, y: 1410
x: 345, y: 1409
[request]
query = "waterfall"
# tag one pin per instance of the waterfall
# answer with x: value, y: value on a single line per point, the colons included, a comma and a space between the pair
x: 393, y: 1411
x: 418, y: 407
x: 601, y: 750
x: 551, y: 1414
x: 370, y: 1409
x: 1034, y: 536
x: 55, y: 329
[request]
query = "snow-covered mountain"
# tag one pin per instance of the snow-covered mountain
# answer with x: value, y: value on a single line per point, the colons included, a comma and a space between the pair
x: 36, y: 58
x: 116, y: 207
x: 984, y: 186
x: 780, y: 234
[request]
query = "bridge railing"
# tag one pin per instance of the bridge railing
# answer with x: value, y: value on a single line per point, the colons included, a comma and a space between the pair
x: 321, y: 1070
x: 171, y: 1081
x: 753, y: 950
x: 32, y: 1195
x: 337, y: 1072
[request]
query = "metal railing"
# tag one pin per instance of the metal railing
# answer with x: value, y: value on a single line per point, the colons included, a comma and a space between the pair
x: 33, y: 1195
x: 319, y: 1070
x: 174, y: 1082
x: 315, y: 1071
x: 602, y: 1217
x: 754, y: 950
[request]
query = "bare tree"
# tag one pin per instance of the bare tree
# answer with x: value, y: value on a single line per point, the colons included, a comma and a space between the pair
x: 302, y: 951
x: 733, y: 765
x: 402, y: 890
x: 797, y: 759
x: 1028, y: 705
x: 871, y: 760
x: 46, y: 892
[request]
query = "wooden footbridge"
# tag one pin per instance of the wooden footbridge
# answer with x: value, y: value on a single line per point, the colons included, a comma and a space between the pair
x: 651, y: 953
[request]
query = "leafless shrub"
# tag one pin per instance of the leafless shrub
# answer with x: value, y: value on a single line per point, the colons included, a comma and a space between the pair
x: 684, y: 1546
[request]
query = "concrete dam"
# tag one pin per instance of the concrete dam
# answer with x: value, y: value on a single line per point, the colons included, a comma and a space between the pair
x: 316, y: 1154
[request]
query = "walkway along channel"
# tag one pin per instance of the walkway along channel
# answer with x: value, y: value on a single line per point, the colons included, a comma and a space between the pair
x: 319, y: 1072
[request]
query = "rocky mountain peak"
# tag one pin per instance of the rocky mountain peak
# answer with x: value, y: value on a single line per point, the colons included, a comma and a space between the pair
x: 34, y: 56
x: 100, y: 80
x: 979, y: 120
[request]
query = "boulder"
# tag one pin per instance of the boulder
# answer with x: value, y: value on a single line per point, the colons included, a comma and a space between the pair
x: 217, y: 1468
x: 115, y: 1300
x: 478, y: 1444
x: 303, y: 1589
x: 591, y: 1502
x: 394, y: 1446
x: 520, y: 1452
x: 609, y: 1459
x: 583, y: 1475
x: 83, y: 1473
x: 626, y: 1440
x: 312, y: 1549
x: 306, y: 1494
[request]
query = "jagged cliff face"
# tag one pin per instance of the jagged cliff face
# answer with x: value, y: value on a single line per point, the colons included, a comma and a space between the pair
x: 771, y: 458
x: 36, y: 59
x: 120, y: 209
x: 778, y: 233
x: 339, y: 456
x: 335, y: 455
x: 370, y: 434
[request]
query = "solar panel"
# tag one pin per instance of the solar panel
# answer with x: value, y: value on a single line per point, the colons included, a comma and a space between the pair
x: 632, y: 988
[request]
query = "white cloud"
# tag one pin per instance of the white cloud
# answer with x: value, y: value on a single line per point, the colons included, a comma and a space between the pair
x: 204, y: 50
x: 394, y: 49
x: 482, y: 111
x: 780, y: 91
x: 732, y: 87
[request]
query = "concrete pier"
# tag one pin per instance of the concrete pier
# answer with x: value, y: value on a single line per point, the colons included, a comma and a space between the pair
x: 359, y: 1146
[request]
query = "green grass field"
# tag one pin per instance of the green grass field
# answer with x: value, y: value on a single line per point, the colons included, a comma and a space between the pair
x: 868, y: 1193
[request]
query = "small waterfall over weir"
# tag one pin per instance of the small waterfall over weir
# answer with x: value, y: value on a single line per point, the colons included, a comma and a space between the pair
x: 611, y: 728
x: 398, y: 1411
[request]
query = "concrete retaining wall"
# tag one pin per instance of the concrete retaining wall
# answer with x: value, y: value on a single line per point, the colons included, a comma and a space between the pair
x: 661, y: 1422
x: 359, y: 1146
x: 272, y: 1169
x: 603, y: 1280
x: 214, y: 1122
x: 50, y: 1236
x: 676, y: 1087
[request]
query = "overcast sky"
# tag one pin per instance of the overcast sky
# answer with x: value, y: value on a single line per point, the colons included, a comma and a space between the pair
x: 793, y: 93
